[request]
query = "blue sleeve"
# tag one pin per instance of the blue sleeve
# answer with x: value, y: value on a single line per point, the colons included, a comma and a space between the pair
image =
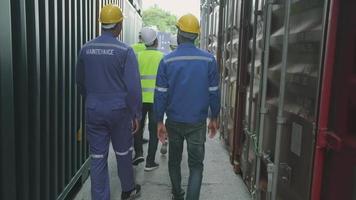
x: 80, y: 75
x: 214, y: 90
x: 132, y: 81
x: 161, y: 92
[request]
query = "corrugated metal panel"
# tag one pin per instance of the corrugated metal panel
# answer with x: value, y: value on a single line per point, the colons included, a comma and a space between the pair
x: 230, y: 73
x: 6, y: 106
x: 257, y: 121
x: 44, y: 152
x: 301, y: 97
x: 221, y: 25
x: 250, y: 81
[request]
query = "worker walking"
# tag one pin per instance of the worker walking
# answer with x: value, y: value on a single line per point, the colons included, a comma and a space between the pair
x: 187, y: 86
x: 148, y: 60
x: 108, y: 79
x: 138, y: 47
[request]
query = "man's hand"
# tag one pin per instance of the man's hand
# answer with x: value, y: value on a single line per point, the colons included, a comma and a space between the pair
x: 161, y: 132
x: 213, y: 128
x: 135, y: 126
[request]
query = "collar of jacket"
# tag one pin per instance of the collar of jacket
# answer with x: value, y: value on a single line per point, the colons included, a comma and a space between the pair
x: 186, y: 45
x: 151, y: 48
x: 107, y: 33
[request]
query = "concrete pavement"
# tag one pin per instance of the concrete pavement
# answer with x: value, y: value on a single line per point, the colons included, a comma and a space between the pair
x: 219, y: 182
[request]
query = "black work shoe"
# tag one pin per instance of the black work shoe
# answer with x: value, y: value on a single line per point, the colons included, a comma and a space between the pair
x: 179, y: 197
x: 151, y: 166
x: 132, y: 194
x: 138, y: 159
x: 174, y: 198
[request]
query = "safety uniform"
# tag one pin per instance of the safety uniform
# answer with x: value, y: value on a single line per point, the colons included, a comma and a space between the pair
x: 187, y: 86
x: 138, y: 47
x: 187, y: 70
x: 148, y: 60
x: 108, y: 78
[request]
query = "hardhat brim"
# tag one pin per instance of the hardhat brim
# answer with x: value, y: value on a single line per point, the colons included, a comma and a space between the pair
x: 108, y: 26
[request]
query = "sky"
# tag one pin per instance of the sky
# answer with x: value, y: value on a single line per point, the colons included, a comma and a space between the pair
x: 176, y: 7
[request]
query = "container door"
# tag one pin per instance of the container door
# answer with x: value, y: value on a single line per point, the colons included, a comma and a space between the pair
x: 300, y: 101
x: 339, y: 179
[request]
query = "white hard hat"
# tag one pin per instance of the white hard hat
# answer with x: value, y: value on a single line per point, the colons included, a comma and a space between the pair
x: 149, y: 35
x: 173, y: 41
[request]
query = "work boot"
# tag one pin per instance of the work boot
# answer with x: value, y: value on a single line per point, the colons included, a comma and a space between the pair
x: 174, y: 198
x: 138, y: 159
x: 151, y: 166
x: 179, y: 197
x: 132, y: 194
x: 164, y: 148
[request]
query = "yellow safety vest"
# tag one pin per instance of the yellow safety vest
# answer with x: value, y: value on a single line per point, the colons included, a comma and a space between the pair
x: 138, y: 47
x: 148, y: 61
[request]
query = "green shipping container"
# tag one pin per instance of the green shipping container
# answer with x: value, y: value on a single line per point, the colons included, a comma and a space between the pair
x: 44, y: 153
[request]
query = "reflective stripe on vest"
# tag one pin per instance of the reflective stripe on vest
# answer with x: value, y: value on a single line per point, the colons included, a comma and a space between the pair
x: 148, y: 90
x: 148, y: 77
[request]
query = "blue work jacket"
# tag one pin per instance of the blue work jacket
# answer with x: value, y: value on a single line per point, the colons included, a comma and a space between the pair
x: 108, y: 75
x: 187, y: 86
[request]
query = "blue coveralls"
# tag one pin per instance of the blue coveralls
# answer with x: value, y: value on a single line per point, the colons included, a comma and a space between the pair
x: 109, y: 80
x: 187, y: 86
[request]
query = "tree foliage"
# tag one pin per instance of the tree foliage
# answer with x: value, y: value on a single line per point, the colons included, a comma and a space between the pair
x: 162, y: 19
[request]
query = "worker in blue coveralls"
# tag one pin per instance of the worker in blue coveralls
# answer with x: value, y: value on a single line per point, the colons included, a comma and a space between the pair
x: 187, y: 86
x: 109, y: 80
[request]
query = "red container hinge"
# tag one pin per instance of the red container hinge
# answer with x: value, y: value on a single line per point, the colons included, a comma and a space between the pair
x: 332, y: 140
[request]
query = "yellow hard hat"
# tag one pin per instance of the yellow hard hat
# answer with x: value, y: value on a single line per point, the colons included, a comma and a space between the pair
x: 111, y: 14
x: 188, y: 23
